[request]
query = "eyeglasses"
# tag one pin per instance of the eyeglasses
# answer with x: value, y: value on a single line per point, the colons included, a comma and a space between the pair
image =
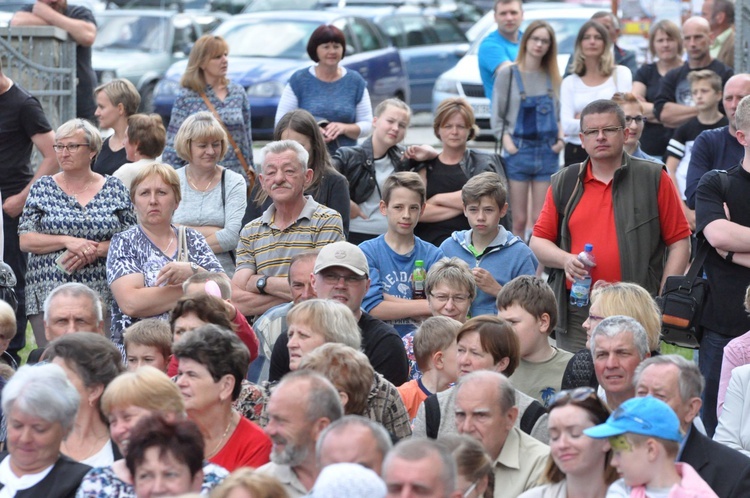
x: 637, y: 119
x: 444, y: 298
x: 543, y: 41
x: 608, y: 132
x: 577, y: 394
x: 334, y: 278
x: 71, y: 147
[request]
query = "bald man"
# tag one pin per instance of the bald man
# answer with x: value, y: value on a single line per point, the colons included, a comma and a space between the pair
x: 674, y: 104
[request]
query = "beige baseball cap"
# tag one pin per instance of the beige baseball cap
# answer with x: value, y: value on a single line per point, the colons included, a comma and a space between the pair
x: 342, y: 254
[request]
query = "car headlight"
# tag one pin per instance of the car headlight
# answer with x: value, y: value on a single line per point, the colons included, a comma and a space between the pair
x: 167, y: 87
x: 107, y: 76
x: 446, y: 85
x: 266, y: 89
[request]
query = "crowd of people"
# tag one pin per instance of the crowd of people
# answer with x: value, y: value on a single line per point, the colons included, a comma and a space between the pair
x: 345, y: 317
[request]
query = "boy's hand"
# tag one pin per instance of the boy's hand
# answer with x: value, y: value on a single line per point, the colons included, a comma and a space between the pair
x: 486, y: 281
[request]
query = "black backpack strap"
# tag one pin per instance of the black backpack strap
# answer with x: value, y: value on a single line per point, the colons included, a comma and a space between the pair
x: 531, y: 415
x: 432, y: 416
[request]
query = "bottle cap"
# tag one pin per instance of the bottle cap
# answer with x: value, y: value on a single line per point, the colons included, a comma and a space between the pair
x: 419, y: 262
x: 588, y: 247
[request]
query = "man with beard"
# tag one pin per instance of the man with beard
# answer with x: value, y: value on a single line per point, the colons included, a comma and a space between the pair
x: 80, y: 24
x: 302, y: 405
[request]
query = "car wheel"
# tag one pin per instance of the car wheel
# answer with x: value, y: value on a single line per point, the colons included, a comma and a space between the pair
x: 147, y: 98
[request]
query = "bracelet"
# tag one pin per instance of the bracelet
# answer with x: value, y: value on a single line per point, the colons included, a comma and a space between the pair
x: 729, y: 256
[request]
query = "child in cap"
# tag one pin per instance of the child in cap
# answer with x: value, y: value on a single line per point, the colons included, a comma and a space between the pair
x: 645, y: 437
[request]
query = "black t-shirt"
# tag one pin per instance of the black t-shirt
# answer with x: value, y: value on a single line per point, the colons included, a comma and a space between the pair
x: 724, y: 311
x: 21, y: 117
x: 687, y: 133
x: 442, y: 178
x: 108, y: 161
x: 380, y: 342
x: 85, y: 102
x: 676, y: 88
x: 655, y: 136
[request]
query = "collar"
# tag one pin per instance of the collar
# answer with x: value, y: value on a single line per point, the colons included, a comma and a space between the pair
x: 684, y: 442
x: 721, y: 37
x: 286, y: 475
x: 503, y: 237
x: 510, y: 455
x: 267, y: 218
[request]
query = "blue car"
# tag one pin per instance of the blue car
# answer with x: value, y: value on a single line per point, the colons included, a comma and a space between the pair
x: 266, y: 48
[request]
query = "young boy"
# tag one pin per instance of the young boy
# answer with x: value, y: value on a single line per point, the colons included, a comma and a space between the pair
x: 495, y: 255
x: 392, y: 256
x: 435, y: 351
x: 705, y: 87
x: 644, y: 434
x: 529, y: 304
x: 148, y: 342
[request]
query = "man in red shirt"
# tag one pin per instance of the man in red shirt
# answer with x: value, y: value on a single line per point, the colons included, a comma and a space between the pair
x: 626, y: 207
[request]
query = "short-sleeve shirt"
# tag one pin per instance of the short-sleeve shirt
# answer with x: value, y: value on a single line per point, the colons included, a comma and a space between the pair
x: 266, y: 249
x: 655, y: 136
x: 21, y: 117
x: 493, y: 51
x: 132, y: 252
x: 248, y: 446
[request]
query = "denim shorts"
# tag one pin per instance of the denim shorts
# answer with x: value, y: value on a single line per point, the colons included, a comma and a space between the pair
x: 534, y: 161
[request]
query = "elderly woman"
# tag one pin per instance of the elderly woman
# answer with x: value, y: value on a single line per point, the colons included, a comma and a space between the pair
x: 148, y: 263
x: 245, y: 483
x: 144, y: 142
x: 40, y: 405
x: 207, y: 88
x: 484, y: 343
x: 212, y: 364
x: 620, y: 298
x: 129, y: 398
x: 213, y: 198
x: 91, y: 362
x: 578, y: 465
x: 363, y: 391
x: 337, y: 97
x: 116, y: 101
x: 68, y: 222
x: 164, y: 457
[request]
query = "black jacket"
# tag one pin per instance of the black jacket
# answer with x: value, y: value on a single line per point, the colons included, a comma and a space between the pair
x: 61, y: 482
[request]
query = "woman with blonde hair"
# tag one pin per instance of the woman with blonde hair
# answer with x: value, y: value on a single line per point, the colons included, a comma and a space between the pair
x: 244, y: 483
x: 620, y: 298
x: 207, y: 88
x: 595, y: 76
x: 129, y: 398
x: 526, y: 120
x: 116, y: 101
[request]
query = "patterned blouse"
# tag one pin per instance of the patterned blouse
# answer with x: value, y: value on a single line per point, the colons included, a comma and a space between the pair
x: 102, y: 482
x: 49, y: 210
x: 133, y: 252
x: 234, y: 111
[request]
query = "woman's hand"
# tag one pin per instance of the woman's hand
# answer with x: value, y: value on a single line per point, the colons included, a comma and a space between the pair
x: 508, y: 145
x: 332, y: 131
x: 558, y: 146
x: 82, y: 251
x: 174, y: 273
x: 355, y: 211
x: 420, y: 153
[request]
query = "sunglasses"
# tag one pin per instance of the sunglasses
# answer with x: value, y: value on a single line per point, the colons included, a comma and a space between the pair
x: 577, y: 394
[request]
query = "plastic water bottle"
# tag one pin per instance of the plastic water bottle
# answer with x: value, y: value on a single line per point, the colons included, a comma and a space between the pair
x: 418, y: 277
x: 581, y: 288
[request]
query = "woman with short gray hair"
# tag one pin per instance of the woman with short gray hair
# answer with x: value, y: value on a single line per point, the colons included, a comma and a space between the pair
x: 69, y: 219
x: 40, y: 405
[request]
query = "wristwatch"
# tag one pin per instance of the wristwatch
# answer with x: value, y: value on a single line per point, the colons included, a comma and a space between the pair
x: 194, y: 267
x: 261, y: 284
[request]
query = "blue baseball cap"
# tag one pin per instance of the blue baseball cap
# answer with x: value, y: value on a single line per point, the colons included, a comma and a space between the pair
x: 646, y: 416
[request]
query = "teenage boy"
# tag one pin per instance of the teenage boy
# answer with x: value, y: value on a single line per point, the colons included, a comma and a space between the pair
x: 392, y: 256
x: 148, y: 342
x: 435, y: 349
x: 495, y: 255
x: 705, y: 87
x: 528, y: 303
x: 645, y: 436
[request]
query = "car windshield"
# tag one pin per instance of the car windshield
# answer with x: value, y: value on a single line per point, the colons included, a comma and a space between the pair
x: 133, y: 32
x: 268, y: 38
x: 266, y: 5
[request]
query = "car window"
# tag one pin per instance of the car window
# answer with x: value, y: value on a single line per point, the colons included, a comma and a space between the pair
x: 132, y: 32
x: 392, y: 27
x: 281, y: 38
x: 447, y: 31
x: 351, y: 46
x: 417, y: 32
x: 368, y: 40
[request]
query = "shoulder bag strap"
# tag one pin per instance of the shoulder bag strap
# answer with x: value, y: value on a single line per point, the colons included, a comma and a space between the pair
x: 248, y: 171
x: 432, y: 416
x: 530, y: 415
x: 182, y: 245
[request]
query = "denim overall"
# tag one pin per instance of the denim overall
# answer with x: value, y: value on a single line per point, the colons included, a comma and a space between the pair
x: 534, y: 135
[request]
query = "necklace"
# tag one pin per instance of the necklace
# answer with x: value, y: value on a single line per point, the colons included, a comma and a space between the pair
x: 171, y: 241
x: 76, y: 194
x: 203, y: 191
x: 218, y: 445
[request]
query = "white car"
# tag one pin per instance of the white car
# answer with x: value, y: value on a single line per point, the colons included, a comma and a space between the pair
x: 463, y: 79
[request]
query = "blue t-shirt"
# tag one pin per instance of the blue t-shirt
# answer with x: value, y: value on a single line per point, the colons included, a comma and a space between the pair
x: 390, y: 273
x: 494, y: 50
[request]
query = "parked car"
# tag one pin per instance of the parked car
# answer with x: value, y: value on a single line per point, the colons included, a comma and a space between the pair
x: 266, y: 48
x: 140, y: 45
x: 429, y: 45
x: 463, y: 79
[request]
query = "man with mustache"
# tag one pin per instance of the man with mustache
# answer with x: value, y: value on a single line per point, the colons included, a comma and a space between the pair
x: 292, y: 224
x: 80, y: 24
